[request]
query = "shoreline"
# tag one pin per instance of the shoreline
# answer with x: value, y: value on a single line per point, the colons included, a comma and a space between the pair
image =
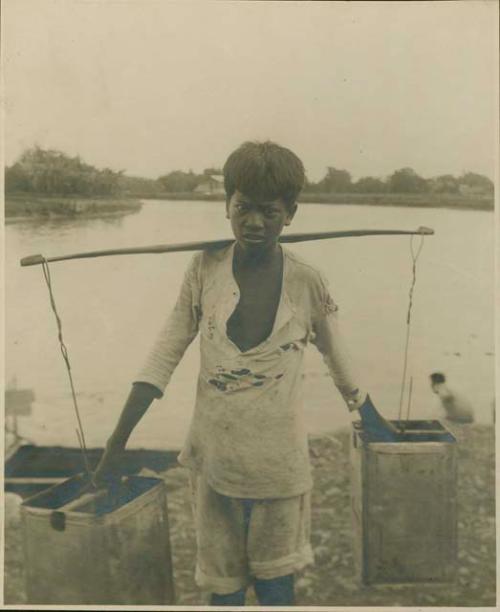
x: 455, y: 202
x: 27, y: 207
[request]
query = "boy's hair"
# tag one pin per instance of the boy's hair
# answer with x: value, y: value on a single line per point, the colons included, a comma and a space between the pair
x: 437, y: 378
x: 264, y: 170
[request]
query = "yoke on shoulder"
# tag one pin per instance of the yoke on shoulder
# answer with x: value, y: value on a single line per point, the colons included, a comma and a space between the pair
x: 303, y: 273
x: 207, y: 265
x: 301, y: 277
x: 307, y: 285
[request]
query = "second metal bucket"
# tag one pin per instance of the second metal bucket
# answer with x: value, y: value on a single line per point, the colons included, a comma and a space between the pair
x: 404, y: 505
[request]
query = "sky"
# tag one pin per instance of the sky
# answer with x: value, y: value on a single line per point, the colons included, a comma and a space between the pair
x: 148, y: 86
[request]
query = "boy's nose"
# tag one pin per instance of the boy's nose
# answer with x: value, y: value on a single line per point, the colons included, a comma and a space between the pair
x: 255, y: 220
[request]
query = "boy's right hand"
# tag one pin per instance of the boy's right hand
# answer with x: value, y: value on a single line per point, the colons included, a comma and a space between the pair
x: 107, y: 471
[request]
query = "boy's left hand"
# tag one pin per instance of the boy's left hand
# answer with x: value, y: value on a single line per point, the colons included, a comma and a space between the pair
x: 374, y: 423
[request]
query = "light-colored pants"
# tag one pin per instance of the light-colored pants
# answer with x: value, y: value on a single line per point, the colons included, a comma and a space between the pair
x: 239, y: 539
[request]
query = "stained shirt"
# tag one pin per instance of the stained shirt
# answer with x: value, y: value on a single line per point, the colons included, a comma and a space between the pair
x: 247, y: 433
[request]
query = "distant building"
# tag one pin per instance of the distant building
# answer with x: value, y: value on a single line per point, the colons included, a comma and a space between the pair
x: 212, y: 184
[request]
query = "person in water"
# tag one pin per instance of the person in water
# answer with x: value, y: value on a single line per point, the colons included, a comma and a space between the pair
x: 256, y: 306
x: 458, y: 409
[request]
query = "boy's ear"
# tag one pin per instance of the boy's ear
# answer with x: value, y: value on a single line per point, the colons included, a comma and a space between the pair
x: 291, y: 213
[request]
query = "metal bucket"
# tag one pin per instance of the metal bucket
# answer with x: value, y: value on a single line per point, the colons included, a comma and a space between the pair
x: 104, y: 547
x: 404, y: 507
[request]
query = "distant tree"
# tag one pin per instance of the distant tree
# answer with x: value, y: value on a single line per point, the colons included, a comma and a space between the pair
x: 52, y: 172
x: 179, y: 181
x: 210, y: 171
x: 139, y: 186
x: 446, y: 183
x: 310, y: 187
x: 406, y: 180
x: 368, y: 184
x: 105, y: 182
x: 335, y: 181
x: 16, y: 179
x: 476, y: 182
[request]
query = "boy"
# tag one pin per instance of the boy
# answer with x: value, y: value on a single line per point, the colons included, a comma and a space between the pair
x: 256, y: 306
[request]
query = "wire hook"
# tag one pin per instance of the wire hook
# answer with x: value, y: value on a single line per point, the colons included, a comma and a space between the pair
x: 64, y: 351
x: 414, y: 256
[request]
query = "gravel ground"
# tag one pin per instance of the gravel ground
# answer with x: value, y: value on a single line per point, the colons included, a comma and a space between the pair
x: 331, y: 581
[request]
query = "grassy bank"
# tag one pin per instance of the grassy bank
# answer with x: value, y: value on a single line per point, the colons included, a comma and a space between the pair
x: 331, y: 581
x: 190, y: 196
x: 423, y: 200
x: 35, y: 206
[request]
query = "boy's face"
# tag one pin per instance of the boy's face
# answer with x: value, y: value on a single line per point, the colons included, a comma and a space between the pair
x: 257, y: 224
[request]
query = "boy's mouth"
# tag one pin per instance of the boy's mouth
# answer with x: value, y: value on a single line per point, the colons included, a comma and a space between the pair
x: 254, y: 238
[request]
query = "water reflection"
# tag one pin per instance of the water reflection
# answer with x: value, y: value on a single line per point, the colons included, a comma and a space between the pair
x: 65, y: 225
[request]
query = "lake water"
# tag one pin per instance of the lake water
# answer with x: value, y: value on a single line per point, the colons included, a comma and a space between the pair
x: 112, y: 308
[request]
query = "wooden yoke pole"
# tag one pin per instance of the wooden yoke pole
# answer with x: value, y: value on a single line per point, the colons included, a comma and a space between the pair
x: 33, y: 260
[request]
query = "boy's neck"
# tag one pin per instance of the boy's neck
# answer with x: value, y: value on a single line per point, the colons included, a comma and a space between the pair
x: 260, y: 257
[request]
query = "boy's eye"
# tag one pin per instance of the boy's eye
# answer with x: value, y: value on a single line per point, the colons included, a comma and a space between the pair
x: 243, y: 207
x: 269, y: 213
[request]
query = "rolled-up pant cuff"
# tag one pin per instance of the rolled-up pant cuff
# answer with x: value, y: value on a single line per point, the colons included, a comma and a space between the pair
x: 218, y: 584
x: 284, y: 566
x: 265, y: 570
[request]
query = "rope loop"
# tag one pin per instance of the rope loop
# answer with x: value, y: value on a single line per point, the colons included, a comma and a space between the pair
x: 64, y: 351
x: 415, y: 254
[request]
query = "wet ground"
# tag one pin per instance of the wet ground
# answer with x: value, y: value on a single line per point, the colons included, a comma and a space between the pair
x: 331, y: 581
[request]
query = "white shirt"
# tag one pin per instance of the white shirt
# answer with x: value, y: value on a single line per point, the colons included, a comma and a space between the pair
x: 247, y: 434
